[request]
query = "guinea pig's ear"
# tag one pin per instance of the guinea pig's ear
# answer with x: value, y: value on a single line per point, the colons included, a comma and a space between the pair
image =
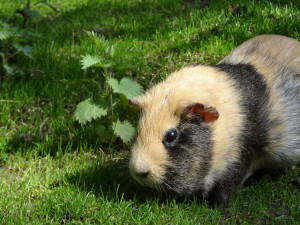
x: 209, y: 114
x: 134, y: 102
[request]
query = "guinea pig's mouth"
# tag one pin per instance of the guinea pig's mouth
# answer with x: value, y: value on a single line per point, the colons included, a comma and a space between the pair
x: 164, y: 186
x: 151, y: 182
x: 146, y: 177
x: 160, y: 187
x: 146, y: 181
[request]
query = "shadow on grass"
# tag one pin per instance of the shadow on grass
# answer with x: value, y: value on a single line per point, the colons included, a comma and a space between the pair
x: 273, y: 175
x: 113, y: 182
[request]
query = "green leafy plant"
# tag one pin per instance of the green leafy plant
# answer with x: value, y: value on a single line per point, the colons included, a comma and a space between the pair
x: 13, y: 42
x: 110, y: 106
x: 28, y: 13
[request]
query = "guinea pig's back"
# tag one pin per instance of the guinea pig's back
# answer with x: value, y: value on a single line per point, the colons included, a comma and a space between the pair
x: 267, y: 52
x: 277, y: 59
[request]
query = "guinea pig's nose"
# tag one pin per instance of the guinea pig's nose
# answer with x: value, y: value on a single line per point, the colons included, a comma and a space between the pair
x: 142, y: 174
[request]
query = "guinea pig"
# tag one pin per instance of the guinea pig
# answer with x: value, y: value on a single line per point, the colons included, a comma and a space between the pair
x: 205, y: 129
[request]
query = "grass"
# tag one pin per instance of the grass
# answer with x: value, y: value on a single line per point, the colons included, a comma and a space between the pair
x: 62, y: 174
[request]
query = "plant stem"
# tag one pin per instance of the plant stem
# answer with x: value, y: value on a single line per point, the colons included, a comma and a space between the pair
x: 36, y: 4
x: 98, y: 85
x: 108, y: 92
x: 25, y: 17
x: 106, y: 79
x: 112, y: 107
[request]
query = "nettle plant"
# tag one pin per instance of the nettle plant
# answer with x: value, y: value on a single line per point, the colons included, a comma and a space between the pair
x: 111, y: 109
x: 29, y: 13
x: 13, y: 43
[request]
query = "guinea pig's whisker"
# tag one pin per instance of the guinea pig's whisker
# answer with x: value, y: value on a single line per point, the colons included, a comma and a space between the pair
x: 163, y: 189
x: 171, y: 188
x: 158, y: 187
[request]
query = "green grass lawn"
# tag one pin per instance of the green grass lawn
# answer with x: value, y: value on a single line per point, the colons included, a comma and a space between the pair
x: 59, y: 173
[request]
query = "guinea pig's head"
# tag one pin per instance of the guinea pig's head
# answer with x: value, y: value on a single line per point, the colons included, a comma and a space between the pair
x: 173, y: 148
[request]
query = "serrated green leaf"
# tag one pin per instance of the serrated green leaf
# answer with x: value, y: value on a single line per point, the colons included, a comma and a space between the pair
x: 4, y: 34
x: 130, y: 88
x: 98, y: 40
x: 6, y: 31
x: 124, y: 130
x: 26, y: 49
x: 127, y: 87
x: 30, y: 13
x: 9, y: 70
x: 114, y: 83
x: 112, y: 50
x: 88, y: 61
x: 89, y: 110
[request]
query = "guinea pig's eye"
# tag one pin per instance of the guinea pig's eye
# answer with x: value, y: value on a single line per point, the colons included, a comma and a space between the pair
x: 171, y: 136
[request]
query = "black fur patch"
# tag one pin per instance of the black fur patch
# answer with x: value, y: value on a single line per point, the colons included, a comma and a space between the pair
x: 192, y: 152
x: 255, y: 97
x: 254, y: 104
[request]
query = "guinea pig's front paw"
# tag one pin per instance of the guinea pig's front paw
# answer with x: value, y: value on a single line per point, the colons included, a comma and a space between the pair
x: 218, y: 196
